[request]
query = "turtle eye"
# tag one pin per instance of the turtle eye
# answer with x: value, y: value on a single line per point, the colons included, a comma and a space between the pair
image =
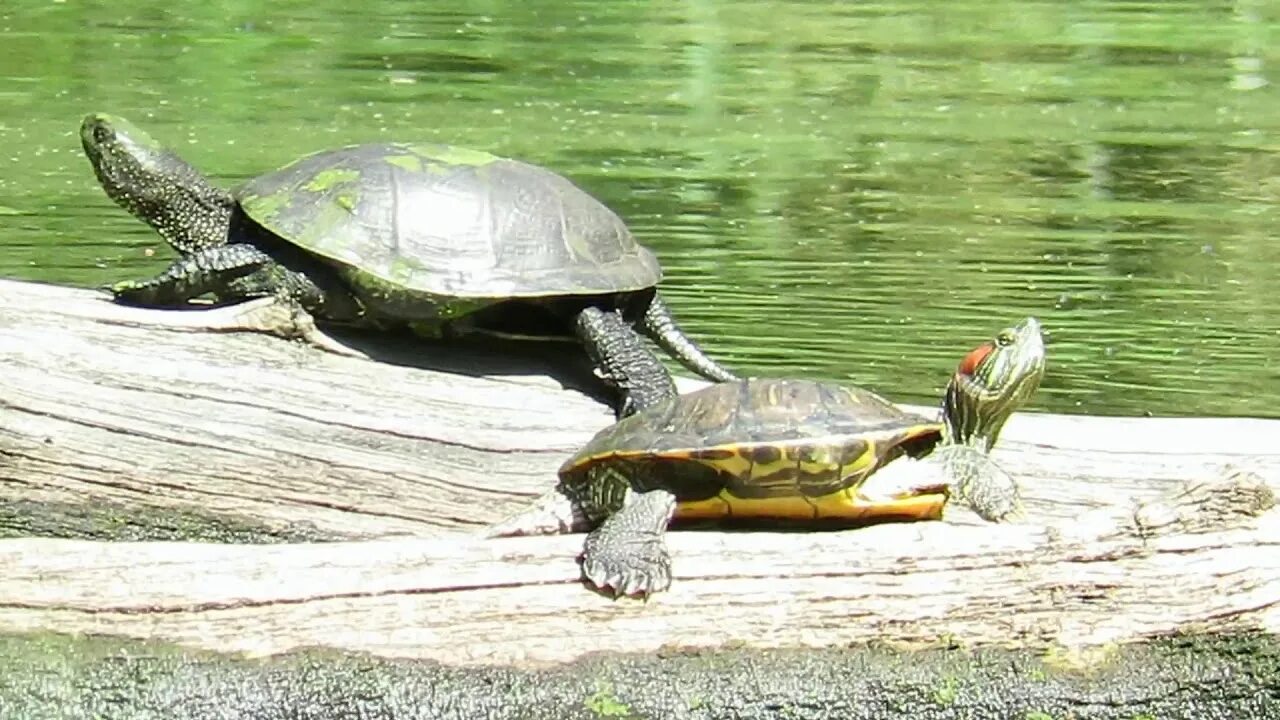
x: 102, y: 133
x: 1004, y: 339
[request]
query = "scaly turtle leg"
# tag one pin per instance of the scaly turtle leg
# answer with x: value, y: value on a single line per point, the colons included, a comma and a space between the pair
x: 623, y: 361
x: 660, y: 326
x: 199, y: 272
x: 980, y: 483
x: 210, y: 270
x: 628, y: 551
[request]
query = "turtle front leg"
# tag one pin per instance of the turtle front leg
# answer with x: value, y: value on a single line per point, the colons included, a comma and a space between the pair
x: 232, y: 273
x: 622, y: 359
x: 628, y: 551
x: 984, y: 486
x: 210, y: 270
x: 239, y: 272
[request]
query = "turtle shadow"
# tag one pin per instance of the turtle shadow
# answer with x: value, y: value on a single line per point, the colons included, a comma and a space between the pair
x: 563, y: 361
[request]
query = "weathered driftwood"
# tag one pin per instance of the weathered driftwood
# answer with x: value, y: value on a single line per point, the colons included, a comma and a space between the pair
x: 99, y: 406
x: 115, y: 424
x: 1208, y: 559
x: 105, y: 414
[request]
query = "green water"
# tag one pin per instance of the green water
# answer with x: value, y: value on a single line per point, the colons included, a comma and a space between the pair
x: 853, y: 191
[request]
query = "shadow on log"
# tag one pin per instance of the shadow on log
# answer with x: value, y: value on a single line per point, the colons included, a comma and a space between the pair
x: 116, y: 425
x: 107, y: 410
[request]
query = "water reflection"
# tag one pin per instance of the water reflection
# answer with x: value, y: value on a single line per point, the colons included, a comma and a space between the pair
x: 844, y: 190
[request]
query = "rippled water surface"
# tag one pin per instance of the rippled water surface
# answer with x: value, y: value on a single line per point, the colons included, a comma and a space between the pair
x: 854, y: 191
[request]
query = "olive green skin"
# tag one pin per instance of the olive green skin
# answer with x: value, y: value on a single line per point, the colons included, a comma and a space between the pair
x: 434, y: 232
x: 759, y: 439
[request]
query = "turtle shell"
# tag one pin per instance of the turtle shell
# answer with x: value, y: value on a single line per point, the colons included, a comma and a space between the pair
x: 760, y: 448
x: 450, y: 222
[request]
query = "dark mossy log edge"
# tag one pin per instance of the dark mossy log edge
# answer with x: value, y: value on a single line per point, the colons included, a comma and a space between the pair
x: 1226, y: 676
x: 119, y: 424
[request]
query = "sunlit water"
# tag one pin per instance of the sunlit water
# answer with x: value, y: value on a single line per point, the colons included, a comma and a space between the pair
x: 853, y: 191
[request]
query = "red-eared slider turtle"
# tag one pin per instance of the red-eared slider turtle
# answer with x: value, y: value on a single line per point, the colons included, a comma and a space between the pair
x: 443, y: 239
x: 784, y: 451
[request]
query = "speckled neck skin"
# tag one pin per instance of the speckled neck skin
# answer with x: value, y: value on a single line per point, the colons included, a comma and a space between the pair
x: 155, y: 185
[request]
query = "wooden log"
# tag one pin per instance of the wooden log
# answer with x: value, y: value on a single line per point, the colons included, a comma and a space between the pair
x: 118, y: 423
x: 1205, y: 559
x: 103, y: 406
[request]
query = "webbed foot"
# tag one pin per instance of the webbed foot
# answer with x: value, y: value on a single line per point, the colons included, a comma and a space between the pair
x: 983, y: 485
x: 628, y: 552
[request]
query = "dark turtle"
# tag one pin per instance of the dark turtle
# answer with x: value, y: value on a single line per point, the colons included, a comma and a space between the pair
x: 442, y: 239
x: 785, y: 452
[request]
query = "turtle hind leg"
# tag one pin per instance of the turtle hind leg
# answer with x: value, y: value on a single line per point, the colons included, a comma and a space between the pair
x: 623, y: 360
x: 553, y: 513
x: 660, y: 326
x: 628, y: 553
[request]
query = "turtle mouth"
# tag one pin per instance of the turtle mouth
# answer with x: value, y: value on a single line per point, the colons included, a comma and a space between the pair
x: 1031, y: 339
x: 101, y: 133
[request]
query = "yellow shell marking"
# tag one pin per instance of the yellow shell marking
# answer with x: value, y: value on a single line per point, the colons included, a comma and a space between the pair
x: 810, y: 460
x: 817, y: 479
x: 845, y: 505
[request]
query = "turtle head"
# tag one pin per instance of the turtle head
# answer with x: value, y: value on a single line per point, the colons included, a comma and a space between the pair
x: 154, y: 184
x: 992, y: 381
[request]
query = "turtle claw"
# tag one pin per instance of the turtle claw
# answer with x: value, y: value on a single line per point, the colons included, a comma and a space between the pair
x: 144, y: 294
x: 628, y: 552
x: 644, y: 569
x: 130, y: 292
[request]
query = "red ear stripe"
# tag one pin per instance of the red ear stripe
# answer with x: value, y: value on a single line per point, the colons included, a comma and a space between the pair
x: 975, y: 357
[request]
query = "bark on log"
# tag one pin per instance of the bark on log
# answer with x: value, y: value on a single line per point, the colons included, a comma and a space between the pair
x: 1209, y: 560
x: 114, y: 425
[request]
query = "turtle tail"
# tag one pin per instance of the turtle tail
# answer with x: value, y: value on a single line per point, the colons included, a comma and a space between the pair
x: 554, y: 513
x: 659, y: 325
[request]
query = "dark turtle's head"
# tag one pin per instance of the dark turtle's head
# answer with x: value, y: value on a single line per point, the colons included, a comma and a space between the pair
x: 154, y: 184
x: 992, y: 381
